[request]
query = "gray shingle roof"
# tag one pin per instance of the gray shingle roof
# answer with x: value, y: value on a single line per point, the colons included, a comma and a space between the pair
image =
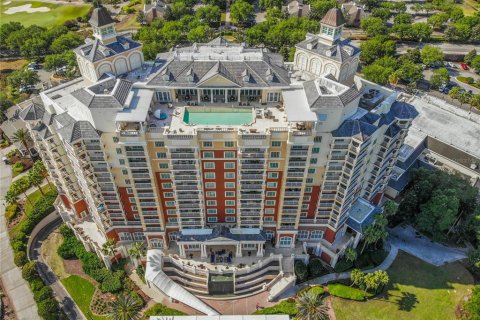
x: 354, y: 128
x: 32, y: 112
x: 100, y: 17
x: 95, y: 50
x: 403, y: 110
x: 232, y: 70
x: 340, y: 51
x: 78, y: 130
x: 316, y: 99
x: 114, y: 100
x: 223, y: 232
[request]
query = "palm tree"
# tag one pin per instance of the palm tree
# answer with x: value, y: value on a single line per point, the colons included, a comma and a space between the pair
x: 350, y: 255
x: 310, y: 306
x: 369, y: 236
x: 39, y: 166
x: 36, y: 178
x: 110, y: 248
x: 124, y: 308
x: 137, y: 251
x: 22, y: 136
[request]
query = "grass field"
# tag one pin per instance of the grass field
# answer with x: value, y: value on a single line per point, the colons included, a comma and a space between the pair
x: 58, y: 14
x: 469, y: 7
x: 417, y: 290
x: 82, y: 292
x: 49, y: 253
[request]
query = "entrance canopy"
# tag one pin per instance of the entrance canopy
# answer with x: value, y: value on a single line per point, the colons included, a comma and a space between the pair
x: 222, y: 234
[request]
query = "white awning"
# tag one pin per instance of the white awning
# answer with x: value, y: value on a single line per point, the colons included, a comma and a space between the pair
x: 296, y: 106
x: 136, y: 106
x: 161, y: 281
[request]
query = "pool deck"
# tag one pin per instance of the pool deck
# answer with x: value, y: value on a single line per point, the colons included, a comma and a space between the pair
x: 267, y: 116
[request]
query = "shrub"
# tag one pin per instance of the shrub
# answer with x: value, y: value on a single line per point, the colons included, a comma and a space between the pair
x: 36, y: 284
x: 68, y: 247
x: 65, y: 231
x: 112, y: 282
x: 343, y: 291
x: 18, y: 167
x: 301, y: 270
x: 20, y: 258
x: 161, y: 310
x: 141, y: 273
x: 377, y: 256
x: 284, y: 307
x: 18, y: 245
x: 12, y: 153
x: 343, y: 265
x: 315, y: 268
x: 48, y: 309
x: 11, y: 212
x: 29, y: 271
x: 363, y: 261
x: 318, y: 290
x: 136, y: 297
x: 44, y: 293
x: 20, y: 185
x: 100, y: 274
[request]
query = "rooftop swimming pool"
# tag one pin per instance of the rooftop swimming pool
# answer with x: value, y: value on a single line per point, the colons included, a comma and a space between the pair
x: 217, y: 116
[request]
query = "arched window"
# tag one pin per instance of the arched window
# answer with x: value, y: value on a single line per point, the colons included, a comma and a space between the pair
x: 316, y: 234
x: 302, y: 61
x: 269, y: 234
x: 315, y: 66
x: 330, y: 68
x: 302, y: 234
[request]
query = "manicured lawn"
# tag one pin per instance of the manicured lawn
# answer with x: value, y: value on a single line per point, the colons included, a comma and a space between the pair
x: 417, y: 290
x: 58, y: 14
x: 284, y: 307
x: 82, y: 292
x: 159, y: 309
x: 49, y: 253
x: 343, y: 291
x: 469, y: 7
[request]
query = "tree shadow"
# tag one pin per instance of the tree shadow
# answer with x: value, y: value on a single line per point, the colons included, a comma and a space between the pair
x: 407, y: 301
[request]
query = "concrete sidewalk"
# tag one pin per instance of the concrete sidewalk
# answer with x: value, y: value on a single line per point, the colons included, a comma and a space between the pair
x: 15, y: 286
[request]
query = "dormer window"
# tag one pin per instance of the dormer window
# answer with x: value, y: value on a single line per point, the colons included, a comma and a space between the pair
x: 269, y: 74
x: 106, y: 31
x: 190, y: 75
x: 245, y: 76
x: 126, y: 45
x: 326, y: 30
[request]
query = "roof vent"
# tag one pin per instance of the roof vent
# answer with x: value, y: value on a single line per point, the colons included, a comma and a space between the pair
x: 349, y: 50
x: 126, y: 45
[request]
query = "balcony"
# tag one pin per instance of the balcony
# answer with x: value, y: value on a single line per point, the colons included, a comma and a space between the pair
x: 297, y: 164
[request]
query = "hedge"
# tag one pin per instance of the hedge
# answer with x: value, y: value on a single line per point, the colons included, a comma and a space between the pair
x: 20, y: 185
x: 315, y: 268
x: 343, y: 291
x: 11, y: 212
x: 161, y: 310
x: 48, y: 307
x: 301, y: 271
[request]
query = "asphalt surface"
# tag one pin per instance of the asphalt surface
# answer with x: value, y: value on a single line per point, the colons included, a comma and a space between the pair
x: 50, y: 279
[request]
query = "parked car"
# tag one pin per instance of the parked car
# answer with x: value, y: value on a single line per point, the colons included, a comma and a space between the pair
x: 464, y: 66
x: 452, y: 65
x: 26, y: 88
x: 34, y: 66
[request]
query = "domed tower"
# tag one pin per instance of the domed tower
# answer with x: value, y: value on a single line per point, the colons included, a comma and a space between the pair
x: 326, y: 52
x: 108, y: 52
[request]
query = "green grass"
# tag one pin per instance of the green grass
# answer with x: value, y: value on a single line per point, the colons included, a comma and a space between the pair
x: 346, y: 292
x: 82, y: 292
x: 58, y: 14
x: 417, y: 290
x: 49, y: 253
x: 159, y: 309
x: 469, y: 7
x: 465, y: 80
x: 284, y: 307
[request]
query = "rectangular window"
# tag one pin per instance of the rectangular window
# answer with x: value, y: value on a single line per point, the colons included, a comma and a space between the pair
x: 125, y: 171
x: 115, y: 139
x: 311, y: 170
x: 209, y: 175
x: 171, y: 212
x: 276, y: 143
x: 229, y: 154
x: 166, y: 185
x: 274, y: 165
x: 229, y: 175
x: 211, y: 202
x: 129, y: 190
x: 172, y: 220
x: 316, y: 150
x: 313, y: 160
x: 230, y: 211
x: 165, y: 175
x: 229, y: 185
x: 273, y: 175
x: 207, y: 144
x: 121, y: 161
x: 322, y: 117
x: 229, y: 144
x: 209, y: 165
x: 306, y: 198
x: 208, y: 154
x: 211, y: 194
x: 132, y: 200
x: 274, y: 154
x: 273, y: 96
x: 159, y: 144
x: 211, y: 211
x: 229, y: 165
x: 210, y: 185
x: 309, y: 180
x: 317, y: 139
x: 163, y: 165
x: 269, y: 202
x: 271, y: 193
x: 305, y: 206
x: 302, y: 234
x: 127, y: 181
x: 269, y: 210
x: 119, y: 150
x: 170, y: 203
x: 168, y: 194
x: 212, y: 219
x: 269, y: 218
x: 229, y: 193
x: 308, y: 189
x: 161, y: 155
x: 229, y: 202
x: 230, y: 219
x: 271, y: 184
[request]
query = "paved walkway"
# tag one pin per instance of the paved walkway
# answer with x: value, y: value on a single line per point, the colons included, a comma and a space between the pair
x: 15, y: 286
x: 406, y: 238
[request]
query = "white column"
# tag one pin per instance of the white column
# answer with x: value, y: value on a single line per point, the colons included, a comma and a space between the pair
x: 203, y: 249
x: 238, y: 254
x: 199, y: 95
x: 211, y: 95
x: 226, y: 97
x: 318, y: 249
x: 260, y: 250
x: 238, y: 97
x: 358, y: 236
x: 181, y: 248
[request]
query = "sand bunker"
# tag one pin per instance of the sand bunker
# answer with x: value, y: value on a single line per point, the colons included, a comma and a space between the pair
x: 7, y: 3
x: 26, y: 8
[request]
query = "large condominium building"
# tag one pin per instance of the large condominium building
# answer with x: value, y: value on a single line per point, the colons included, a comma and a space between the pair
x: 219, y: 144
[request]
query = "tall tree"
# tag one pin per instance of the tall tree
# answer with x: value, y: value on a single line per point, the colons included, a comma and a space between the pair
x: 125, y: 308
x: 109, y: 248
x: 350, y: 255
x: 36, y: 178
x: 439, y: 77
x: 241, y: 12
x: 432, y: 55
x: 357, y: 278
x: 22, y: 136
x: 310, y: 306
x: 137, y: 251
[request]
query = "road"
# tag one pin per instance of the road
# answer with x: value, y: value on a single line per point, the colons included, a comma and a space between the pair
x: 447, y: 48
x: 48, y: 276
x: 456, y: 72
